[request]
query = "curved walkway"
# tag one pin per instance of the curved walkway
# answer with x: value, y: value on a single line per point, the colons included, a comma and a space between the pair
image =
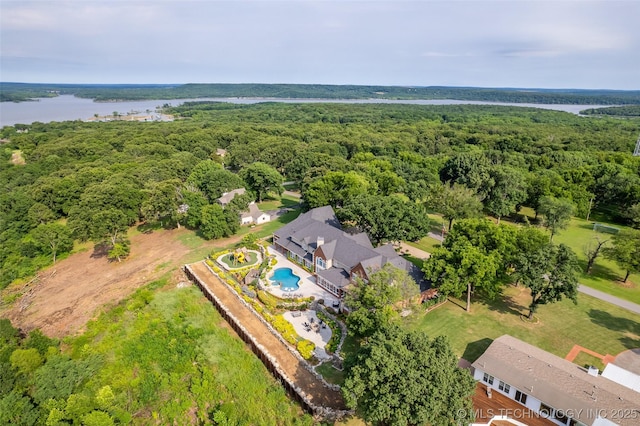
x: 292, y: 366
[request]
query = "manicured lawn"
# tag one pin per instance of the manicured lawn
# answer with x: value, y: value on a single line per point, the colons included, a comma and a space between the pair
x: 275, y: 202
x: 331, y: 374
x: 427, y: 244
x: 591, y: 323
x: 585, y: 360
x: 606, y: 275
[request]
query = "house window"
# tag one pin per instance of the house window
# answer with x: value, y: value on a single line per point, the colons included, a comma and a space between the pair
x: 521, y: 397
x: 320, y: 263
x: 545, y: 410
x: 504, y: 387
x: 487, y: 378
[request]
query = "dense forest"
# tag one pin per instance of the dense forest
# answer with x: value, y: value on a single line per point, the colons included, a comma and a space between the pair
x: 622, y: 111
x: 382, y: 167
x: 17, y: 92
x: 90, y: 181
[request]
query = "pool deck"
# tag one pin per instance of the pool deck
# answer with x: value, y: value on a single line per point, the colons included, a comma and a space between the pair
x: 307, y: 282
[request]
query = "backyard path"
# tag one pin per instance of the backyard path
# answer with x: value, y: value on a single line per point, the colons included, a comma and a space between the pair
x: 292, y: 366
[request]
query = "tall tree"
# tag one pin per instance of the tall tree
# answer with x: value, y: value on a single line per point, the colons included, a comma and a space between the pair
x: 455, y: 202
x: 372, y: 304
x: 404, y: 378
x: 556, y: 213
x: 109, y: 225
x: 506, y: 190
x: 633, y: 214
x: 386, y: 218
x: 462, y: 268
x: 550, y: 275
x: 593, y: 250
x: 471, y: 169
x: 625, y: 251
x: 214, y: 222
x: 161, y: 200
x: 474, y: 257
x: 53, y: 238
x: 262, y: 178
x: 335, y: 189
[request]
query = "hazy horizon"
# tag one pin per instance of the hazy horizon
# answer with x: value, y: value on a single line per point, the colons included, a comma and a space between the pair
x: 520, y: 44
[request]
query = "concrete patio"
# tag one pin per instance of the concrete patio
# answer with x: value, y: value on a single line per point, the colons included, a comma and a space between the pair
x: 315, y: 332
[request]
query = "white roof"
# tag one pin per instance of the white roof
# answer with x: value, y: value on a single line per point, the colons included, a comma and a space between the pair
x: 622, y: 376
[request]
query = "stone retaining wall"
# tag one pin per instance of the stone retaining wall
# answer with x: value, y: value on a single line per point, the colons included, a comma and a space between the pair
x: 269, y: 361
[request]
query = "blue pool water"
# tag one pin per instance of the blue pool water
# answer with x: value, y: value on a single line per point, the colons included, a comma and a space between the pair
x: 286, y: 278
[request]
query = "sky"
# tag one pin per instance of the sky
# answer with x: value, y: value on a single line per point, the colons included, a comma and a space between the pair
x: 481, y: 43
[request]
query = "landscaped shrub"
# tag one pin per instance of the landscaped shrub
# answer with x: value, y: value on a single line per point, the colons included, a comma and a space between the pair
x: 285, y: 328
x: 336, y: 332
x: 306, y: 347
x: 268, y: 300
x: 435, y: 301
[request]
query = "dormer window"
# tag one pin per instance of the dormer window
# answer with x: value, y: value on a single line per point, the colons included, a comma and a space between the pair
x: 320, y: 263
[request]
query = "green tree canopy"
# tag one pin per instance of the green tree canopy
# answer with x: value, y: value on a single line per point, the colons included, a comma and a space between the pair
x: 404, y: 378
x: 262, y: 178
x: 373, y: 303
x: 506, y: 190
x: 386, y: 218
x: 213, y: 222
x: 556, y: 213
x: 625, y: 251
x: 335, y: 189
x: 550, y: 275
x: 455, y: 202
x: 53, y: 238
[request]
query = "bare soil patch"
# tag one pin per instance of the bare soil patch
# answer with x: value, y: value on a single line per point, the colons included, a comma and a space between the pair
x: 67, y: 295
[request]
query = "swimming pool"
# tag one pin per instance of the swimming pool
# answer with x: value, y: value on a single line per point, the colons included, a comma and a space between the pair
x: 287, y: 280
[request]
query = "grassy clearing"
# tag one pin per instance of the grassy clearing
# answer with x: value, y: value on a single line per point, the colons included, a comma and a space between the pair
x: 427, y: 244
x: 331, y: 374
x: 275, y: 203
x: 592, y: 323
x: 168, y: 359
x: 606, y: 275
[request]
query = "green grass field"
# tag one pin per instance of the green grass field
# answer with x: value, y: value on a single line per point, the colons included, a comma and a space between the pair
x: 592, y: 323
x: 606, y: 275
x: 169, y: 358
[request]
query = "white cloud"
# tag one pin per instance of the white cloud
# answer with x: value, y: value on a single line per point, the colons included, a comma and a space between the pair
x: 377, y: 42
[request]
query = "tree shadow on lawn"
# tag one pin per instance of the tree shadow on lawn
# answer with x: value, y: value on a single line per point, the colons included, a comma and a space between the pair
x: 624, y: 325
x: 475, y: 349
x: 504, y: 304
x: 604, y: 273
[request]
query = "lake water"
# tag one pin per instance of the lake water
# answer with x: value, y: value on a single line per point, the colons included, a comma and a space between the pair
x: 68, y: 107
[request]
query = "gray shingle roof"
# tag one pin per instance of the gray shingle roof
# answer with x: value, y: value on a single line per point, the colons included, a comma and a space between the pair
x: 346, y: 249
x: 559, y: 383
x: 228, y: 196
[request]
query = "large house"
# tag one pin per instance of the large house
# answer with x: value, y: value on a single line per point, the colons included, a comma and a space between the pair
x: 316, y: 241
x: 555, y: 388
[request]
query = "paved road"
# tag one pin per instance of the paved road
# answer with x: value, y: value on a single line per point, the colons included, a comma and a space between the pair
x: 630, y: 306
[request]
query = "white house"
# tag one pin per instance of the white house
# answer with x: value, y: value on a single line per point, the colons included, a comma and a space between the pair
x: 556, y: 388
x: 254, y: 216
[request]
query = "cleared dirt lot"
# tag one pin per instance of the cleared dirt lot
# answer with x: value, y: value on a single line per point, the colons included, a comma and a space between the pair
x: 70, y: 293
